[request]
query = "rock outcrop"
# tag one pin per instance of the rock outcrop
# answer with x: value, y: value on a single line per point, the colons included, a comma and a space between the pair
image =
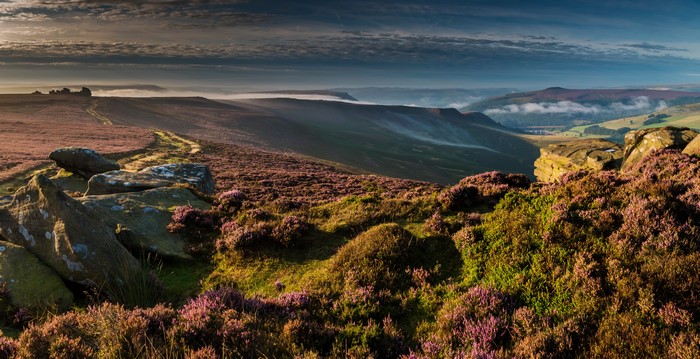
x: 693, y: 148
x: 196, y: 175
x: 638, y: 144
x: 29, y: 282
x: 588, y: 154
x: 65, y: 236
x: 140, y: 218
x: 82, y: 161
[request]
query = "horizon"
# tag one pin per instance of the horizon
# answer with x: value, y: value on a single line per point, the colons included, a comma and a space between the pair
x: 266, y: 45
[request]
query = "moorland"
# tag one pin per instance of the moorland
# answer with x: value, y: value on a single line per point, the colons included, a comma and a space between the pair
x: 306, y: 251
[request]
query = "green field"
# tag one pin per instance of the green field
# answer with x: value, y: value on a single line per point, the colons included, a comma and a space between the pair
x: 679, y: 116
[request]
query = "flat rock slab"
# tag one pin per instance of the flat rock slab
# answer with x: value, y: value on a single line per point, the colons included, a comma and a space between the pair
x: 639, y: 144
x: 30, y: 282
x: 196, y: 175
x: 82, y: 161
x: 140, y: 218
x: 66, y: 236
x: 588, y: 154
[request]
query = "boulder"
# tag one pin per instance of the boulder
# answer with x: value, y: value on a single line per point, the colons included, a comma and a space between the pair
x: 196, y: 175
x: 67, y: 237
x: 693, y: 148
x: 638, y: 144
x: 82, y: 161
x: 140, y: 218
x: 588, y: 154
x: 30, y: 282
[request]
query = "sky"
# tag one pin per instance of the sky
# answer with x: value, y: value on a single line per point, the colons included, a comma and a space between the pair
x: 268, y: 44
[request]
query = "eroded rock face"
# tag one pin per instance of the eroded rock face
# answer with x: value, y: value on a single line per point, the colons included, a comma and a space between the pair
x: 588, y: 154
x: 638, y: 144
x: 693, y: 148
x: 66, y: 237
x: 140, y: 218
x: 193, y: 174
x: 82, y: 161
x: 29, y: 281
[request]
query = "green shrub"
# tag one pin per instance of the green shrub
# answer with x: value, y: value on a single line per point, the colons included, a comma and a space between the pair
x: 378, y: 257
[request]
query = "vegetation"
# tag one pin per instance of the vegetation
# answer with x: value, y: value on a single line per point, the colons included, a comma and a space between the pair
x: 493, y: 266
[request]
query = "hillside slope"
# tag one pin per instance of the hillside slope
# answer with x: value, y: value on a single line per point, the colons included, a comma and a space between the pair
x: 432, y: 145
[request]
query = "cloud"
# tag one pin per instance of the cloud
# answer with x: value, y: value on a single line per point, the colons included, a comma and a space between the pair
x: 656, y: 47
x: 570, y: 107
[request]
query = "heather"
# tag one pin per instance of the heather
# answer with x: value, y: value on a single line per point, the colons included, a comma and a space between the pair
x: 600, y: 264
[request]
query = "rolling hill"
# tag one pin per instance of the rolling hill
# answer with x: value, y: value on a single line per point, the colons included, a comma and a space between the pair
x: 562, y: 107
x: 438, y: 145
x: 679, y: 116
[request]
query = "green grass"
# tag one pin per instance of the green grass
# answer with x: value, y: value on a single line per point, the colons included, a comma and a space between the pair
x: 183, y: 279
x: 680, y: 116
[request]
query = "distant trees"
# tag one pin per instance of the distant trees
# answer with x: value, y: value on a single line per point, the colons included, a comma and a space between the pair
x: 66, y: 91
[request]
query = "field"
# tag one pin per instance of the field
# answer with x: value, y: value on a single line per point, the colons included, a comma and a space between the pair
x: 679, y: 116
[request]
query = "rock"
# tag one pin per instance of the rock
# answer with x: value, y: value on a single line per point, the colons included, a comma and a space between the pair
x: 588, y: 154
x: 140, y: 218
x: 65, y: 236
x: 82, y: 161
x: 196, y: 175
x: 638, y: 144
x: 30, y: 282
x: 693, y: 148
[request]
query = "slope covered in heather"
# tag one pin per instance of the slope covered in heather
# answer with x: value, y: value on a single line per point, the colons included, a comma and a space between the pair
x: 492, y: 266
x: 406, y: 142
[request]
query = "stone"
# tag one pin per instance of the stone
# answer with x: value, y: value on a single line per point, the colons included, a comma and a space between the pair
x: 66, y: 236
x: 140, y: 219
x: 196, y: 175
x: 29, y: 281
x: 693, y: 148
x: 84, y: 162
x: 587, y: 154
x: 639, y: 144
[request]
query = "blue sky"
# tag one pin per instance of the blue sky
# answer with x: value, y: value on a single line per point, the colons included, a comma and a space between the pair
x: 265, y: 44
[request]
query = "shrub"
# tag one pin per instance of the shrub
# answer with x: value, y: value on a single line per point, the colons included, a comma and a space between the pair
x: 236, y: 237
x: 192, y: 220
x: 435, y: 224
x: 378, y: 257
x: 485, y: 188
x: 289, y: 230
x: 230, y: 201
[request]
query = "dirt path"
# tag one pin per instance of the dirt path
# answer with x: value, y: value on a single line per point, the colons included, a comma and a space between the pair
x: 92, y: 111
x: 167, y: 148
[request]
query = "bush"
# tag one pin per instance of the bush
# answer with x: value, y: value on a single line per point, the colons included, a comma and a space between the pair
x: 378, y: 257
x: 230, y: 201
x: 485, y: 188
x: 193, y: 220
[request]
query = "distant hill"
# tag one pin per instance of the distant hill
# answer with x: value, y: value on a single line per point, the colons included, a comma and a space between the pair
x: 558, y: 106
x: 440, y: 145
x: 341, y: 95
x: 454, y: 98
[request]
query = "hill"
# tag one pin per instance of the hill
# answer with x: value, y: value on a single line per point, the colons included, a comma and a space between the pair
x: 297, y: 258
x: 562, y: 107
x: 32, y: 126
x: 679, y: 116
x: 447, y: 98
x: 405, y: 142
